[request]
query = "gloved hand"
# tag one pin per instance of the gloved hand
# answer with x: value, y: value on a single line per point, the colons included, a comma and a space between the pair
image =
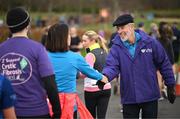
x: 100, y: 84
x: 171, y: 94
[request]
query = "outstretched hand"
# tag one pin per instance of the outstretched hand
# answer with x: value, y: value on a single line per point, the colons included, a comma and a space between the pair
x: 100, y: 85
x: 104, y: 79
x: 102, y: 82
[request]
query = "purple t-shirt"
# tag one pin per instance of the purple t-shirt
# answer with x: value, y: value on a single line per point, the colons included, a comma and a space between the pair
x: 25, y: 62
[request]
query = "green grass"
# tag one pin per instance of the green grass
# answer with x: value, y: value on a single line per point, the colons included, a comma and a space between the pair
x: 107, y: 27
x: 167, y: 12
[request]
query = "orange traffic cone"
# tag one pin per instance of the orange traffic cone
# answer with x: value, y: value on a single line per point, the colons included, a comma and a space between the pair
x: 178, y: 84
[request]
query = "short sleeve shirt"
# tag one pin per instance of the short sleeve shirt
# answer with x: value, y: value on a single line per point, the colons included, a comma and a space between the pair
x: 25, y: 62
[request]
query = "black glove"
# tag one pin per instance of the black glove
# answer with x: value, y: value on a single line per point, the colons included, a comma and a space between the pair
x: 171, y: 94
x: 100, y: 84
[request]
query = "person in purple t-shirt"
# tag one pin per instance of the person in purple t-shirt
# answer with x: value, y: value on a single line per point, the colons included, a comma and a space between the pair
x: 25, y: 63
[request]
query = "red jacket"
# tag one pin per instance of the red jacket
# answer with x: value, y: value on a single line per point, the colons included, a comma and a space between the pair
x: 67, y: 106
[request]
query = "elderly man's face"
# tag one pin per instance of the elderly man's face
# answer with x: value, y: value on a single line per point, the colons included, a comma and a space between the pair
x: 125, y: 31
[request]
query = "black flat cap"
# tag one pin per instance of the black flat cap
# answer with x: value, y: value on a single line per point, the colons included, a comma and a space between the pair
x: 123, y: 20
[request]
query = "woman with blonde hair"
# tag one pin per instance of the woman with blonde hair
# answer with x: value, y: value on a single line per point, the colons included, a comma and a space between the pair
x: 154, y: 33
x: 96, y: 99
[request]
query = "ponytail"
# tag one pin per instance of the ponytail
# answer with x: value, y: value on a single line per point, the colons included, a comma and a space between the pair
x: 99, y: 39
x: 102, y: 43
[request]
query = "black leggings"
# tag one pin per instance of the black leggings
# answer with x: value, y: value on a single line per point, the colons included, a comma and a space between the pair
x: 75, y: 115
x: 97, y: 102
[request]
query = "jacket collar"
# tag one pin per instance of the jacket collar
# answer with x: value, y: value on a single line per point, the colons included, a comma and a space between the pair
x: 137, y: 38
x: 144, y: 38
x: 92, y: 47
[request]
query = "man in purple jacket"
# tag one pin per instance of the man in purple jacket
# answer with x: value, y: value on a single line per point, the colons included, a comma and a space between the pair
x: 137, y: 57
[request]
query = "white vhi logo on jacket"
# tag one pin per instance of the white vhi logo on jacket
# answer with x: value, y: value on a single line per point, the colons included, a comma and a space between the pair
x: 146, y: 50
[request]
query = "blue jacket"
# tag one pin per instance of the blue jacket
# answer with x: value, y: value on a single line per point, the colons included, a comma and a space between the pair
x: 66, y: 66
x: 138, y: 79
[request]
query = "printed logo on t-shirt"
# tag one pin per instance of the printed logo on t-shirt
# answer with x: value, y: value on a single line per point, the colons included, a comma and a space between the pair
x: 16, y: 67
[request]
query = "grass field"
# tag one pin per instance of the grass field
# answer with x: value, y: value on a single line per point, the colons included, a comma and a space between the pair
x: 107, y: 26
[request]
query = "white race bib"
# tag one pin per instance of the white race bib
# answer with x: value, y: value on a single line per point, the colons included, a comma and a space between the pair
x: 88, y: 82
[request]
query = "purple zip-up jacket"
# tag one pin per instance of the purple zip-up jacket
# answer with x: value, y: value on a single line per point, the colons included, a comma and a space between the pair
x: 138, y: 79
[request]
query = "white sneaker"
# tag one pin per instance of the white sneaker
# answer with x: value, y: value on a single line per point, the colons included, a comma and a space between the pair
x: 121, y: 110
x: 161, y: 98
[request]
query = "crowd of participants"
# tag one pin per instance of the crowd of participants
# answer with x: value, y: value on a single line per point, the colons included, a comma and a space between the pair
x: 39, y: 80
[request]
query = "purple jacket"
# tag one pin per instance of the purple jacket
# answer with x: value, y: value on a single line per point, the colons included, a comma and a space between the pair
x: 138, y: 79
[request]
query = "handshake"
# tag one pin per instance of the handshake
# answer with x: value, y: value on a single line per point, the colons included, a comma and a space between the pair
x: 102, y: 82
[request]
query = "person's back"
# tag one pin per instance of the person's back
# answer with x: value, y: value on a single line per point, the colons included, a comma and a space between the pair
x: 100, y: 55
x: 26, y: 64
x: 19, y: 62
x: 66, y: 66
x: 166, y: 38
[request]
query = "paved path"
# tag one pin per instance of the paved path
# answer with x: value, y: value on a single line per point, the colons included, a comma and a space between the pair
x: 166, y: 110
